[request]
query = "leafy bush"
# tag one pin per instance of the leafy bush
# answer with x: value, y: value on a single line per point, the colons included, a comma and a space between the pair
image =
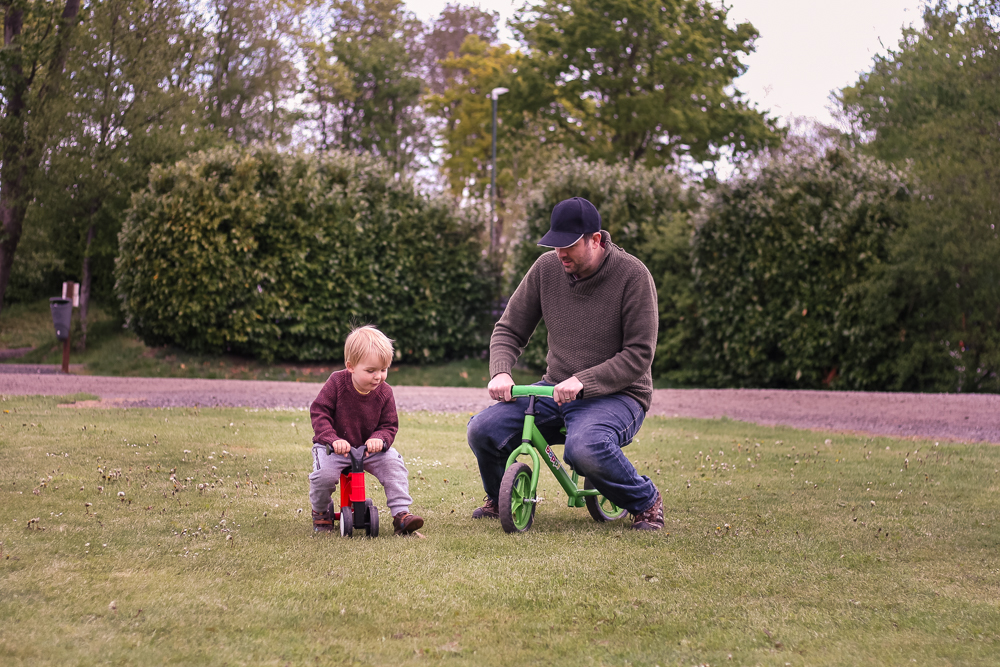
x: 781, y: 257
x: 646, y: 211
x: 277, y: 255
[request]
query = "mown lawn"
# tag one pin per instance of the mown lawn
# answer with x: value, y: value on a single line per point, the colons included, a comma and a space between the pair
x: 821, y: 549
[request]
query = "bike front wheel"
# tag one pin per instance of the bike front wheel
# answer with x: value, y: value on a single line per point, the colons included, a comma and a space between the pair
x: 600, y: 508
x: 517, y: 506
x: 346, y: 522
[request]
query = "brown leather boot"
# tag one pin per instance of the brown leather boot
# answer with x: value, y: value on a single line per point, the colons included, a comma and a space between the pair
x: 489, y: 510
x: 405, y: 523
x: 651, y: 519
x: 322, y: 522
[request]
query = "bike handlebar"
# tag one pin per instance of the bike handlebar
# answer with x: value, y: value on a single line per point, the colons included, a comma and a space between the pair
x: 531, y: 390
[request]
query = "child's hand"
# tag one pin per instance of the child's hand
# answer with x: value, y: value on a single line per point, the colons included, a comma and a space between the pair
x: 341, y: 447
x: 374, y: 445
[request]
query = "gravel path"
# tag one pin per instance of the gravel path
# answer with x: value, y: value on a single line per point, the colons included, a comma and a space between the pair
x: 965, y: 417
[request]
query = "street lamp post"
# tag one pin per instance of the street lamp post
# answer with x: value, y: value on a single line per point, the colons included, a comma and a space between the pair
x: 494, y: 94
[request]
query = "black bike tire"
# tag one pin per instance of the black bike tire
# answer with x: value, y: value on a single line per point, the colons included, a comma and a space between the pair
x: 511, y: 494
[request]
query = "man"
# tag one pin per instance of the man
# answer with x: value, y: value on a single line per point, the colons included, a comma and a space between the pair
x: 599, y: 305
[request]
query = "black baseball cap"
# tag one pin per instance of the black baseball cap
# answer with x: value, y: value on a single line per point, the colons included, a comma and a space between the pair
x: 571, y: 219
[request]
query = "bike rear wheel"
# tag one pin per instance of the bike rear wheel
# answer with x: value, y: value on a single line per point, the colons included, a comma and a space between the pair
x: 517, y: 507
x: 600, y: 508
x: 372, y: 529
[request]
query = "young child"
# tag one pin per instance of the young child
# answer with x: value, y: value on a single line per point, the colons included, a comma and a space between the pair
x: 355, y: 408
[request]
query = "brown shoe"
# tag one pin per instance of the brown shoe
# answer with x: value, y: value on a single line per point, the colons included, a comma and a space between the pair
x: 405, y: 523
x: 651, y: 519
x: 322, y: 522
x: 489, y: 510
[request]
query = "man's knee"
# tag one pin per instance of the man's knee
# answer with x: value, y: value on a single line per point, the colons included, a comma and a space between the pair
x: 583, y: 452
x: 477, y: 430
x: 475, y: 423
x: 486, y: 427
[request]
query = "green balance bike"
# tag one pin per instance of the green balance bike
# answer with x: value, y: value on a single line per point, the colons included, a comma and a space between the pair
x: 519, y: 488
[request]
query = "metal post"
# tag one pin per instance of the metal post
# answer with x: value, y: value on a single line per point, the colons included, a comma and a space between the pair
x: 493, y: 174
x: 70, y: 293
x: 494, y: 94
x: 65, y: 365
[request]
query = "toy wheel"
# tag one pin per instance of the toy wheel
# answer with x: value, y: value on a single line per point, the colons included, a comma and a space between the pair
x: 372, y: 529
x: 601, y: 508
x: 516, y: 512
x: 346, y: 522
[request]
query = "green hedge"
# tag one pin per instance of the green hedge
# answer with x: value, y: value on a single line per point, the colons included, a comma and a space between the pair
x: 647, y: 212
x: 781, y: 260
x: 277, y: 255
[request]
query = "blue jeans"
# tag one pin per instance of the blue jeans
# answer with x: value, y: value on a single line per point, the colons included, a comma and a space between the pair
x: 596, y: 431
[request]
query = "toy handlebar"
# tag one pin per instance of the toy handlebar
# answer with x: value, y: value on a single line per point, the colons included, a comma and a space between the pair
x: 531, y: 390
x: 358, y: 451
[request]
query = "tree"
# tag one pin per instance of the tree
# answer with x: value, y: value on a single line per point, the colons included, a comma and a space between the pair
x: 445, y: 37
x: 363, y: 66
x: 640, y: 80
x: 247, y: 70
x: 466, y: 114
x: 36, y: 39
x: 525, y: 146
x: 935, y: 103
x: 130, y: 93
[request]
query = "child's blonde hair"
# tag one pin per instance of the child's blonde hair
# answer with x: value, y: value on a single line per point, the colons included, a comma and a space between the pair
x: 366, y: 340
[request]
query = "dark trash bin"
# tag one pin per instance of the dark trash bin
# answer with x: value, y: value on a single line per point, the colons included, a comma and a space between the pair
x: 62, y: 311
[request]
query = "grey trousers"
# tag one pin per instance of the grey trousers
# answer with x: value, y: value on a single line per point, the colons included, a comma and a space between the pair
x: 387, y: 467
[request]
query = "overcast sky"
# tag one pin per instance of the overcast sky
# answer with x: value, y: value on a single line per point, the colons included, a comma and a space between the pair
x: 806, y: 49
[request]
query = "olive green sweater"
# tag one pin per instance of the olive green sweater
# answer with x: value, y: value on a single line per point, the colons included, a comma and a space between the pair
x: 602, y: 329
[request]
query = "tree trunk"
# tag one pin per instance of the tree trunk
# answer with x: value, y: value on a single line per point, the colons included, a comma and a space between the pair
x: 85, y: 279
x: 12, y: 216
x: 19, y: 150
x: 11, y: 175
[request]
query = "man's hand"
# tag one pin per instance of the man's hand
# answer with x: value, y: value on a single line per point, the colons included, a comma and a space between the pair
x: 499, y: 387
x: 341, y: 447
x: 566, y: 391
x: 374, y: 445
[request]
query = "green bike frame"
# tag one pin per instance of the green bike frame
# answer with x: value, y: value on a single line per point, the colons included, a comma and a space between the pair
x: 535, y: 446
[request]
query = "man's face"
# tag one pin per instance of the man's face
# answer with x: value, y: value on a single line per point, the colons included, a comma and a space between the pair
x: 583, y: 257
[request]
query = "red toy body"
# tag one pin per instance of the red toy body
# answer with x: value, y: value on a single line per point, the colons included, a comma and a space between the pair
x: 356, y: 510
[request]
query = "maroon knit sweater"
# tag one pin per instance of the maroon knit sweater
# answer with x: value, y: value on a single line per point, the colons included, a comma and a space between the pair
x: 340, y: 412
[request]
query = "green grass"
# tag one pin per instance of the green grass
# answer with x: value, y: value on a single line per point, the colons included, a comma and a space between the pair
x: 114, y: 351
x: 780, y: 560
